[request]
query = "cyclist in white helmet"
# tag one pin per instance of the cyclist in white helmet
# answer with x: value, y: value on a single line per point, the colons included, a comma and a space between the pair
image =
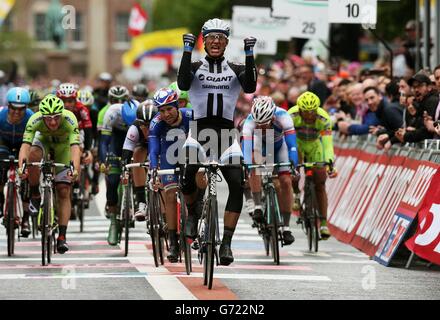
x: 214, y: 85
x: 265, y: 122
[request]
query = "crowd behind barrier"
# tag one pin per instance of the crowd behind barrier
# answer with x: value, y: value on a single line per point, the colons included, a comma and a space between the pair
x: 377, y: 202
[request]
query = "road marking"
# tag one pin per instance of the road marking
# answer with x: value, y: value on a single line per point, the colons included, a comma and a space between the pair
x: 168, y: 288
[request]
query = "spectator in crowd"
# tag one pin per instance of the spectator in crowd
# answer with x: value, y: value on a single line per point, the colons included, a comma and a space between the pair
x: 292, y: 96
x: 426, y: 102
x: 390, y: 116
x: 313, y: 84
x: 280, y: 100
x: 393, y: 94
x: 369, y: 120
x: 436, y: 74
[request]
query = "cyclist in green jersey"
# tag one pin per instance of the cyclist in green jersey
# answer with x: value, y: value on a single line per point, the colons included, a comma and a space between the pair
x: 315, y: 144
x: 53, y: 130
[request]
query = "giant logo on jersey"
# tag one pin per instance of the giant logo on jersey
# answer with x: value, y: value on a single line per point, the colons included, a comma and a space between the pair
x: 215, y: 79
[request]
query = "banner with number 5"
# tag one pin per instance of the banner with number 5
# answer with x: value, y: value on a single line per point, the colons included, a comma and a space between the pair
x: 426, y: 242
x: 307, y: 19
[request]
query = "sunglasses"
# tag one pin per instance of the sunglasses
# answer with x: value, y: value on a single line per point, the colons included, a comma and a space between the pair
x: 213, y: 36
x: 17, y: 107
x: 55, y: 117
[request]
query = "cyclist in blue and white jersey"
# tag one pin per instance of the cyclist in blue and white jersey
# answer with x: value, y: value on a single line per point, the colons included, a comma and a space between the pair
x: 270, y: 128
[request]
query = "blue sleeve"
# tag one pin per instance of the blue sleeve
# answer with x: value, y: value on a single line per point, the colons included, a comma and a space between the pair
x: 292, y: 147
x: 247, y: 143
x: 154, y: 144
x: 361, y: 129
x: 103, y: 146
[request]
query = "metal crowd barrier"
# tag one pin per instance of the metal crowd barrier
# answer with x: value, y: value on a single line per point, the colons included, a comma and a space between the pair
x: 428, y: 150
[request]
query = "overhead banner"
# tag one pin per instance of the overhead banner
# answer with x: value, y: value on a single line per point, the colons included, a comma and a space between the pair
x: 257, y: 22
x: 307, y: 19
x: 352, y: 11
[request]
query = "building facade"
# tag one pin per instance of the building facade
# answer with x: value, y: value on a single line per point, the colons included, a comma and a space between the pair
x: 96, y: 41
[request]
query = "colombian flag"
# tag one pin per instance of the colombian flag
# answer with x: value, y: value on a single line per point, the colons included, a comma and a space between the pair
x: 159, y: 44
x: 5, y: 7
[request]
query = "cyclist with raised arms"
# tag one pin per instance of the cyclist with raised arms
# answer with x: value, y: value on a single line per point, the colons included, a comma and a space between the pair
x: 315, y: 144
x: 52, y: 130
x: 118, y: 118
x: 214, y: 85
x: 136, y: 146
x: 169, y: 117
x: 268, y: 119
x: 13, y: 120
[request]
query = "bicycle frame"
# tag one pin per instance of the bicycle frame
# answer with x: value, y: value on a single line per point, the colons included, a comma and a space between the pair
x: 13, y: 203
x: 47, y: 210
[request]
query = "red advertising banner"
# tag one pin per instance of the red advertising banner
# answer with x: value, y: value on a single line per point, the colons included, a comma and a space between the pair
x: 426, y: 242
x: 375, y: 199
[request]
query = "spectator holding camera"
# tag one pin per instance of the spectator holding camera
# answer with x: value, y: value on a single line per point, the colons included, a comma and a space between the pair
x: 426, y: 101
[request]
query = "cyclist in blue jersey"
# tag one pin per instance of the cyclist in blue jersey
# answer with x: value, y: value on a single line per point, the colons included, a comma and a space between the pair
x: 270, y: 129
x: 136, y: 146
x: 13, y: 120
x: 171, y: 122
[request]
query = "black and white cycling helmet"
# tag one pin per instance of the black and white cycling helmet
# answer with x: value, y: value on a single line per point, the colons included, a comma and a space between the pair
x: 118, y: 93
x: 263, y: 109
x: 146, y: 111
x: 140, y: 91
x: 216, y: 25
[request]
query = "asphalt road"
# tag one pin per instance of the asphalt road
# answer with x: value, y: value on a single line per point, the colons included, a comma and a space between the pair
x: 94, y: 270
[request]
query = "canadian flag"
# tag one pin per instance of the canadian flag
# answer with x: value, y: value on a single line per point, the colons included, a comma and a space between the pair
x: 138, y: 20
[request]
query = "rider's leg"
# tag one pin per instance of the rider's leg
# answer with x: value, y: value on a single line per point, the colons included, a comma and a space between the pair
x: 319, y: 177
x: 285, y: 200
x: 255, y: 186
x: 232, y: 212
x: 139, y: 178
x: 64, y: 191
x: 171, y: 218
x: 35, y: 155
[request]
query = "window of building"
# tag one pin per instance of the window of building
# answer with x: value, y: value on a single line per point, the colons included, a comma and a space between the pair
x: 78, y: 32
x: 122, y: 27
x: 40, y: 27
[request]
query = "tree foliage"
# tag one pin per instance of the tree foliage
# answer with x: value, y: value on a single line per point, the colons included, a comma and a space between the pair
x: 188, y: 13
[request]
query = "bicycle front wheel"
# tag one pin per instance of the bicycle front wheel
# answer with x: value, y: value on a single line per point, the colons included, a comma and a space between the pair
x: 185, y: 247
x: 273, y: 225
x: 11, y: 219
x: 211, y: 243
x: 45, y: 229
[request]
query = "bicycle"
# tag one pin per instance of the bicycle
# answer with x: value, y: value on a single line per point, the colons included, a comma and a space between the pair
x: 46, y: 216
x: 208, y: 237
x: 127, y: 206
x: 270, y: 228
x: 309, y: 217
x: 124, y: 219
x: 13, y: 203
x: 80, y: 196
